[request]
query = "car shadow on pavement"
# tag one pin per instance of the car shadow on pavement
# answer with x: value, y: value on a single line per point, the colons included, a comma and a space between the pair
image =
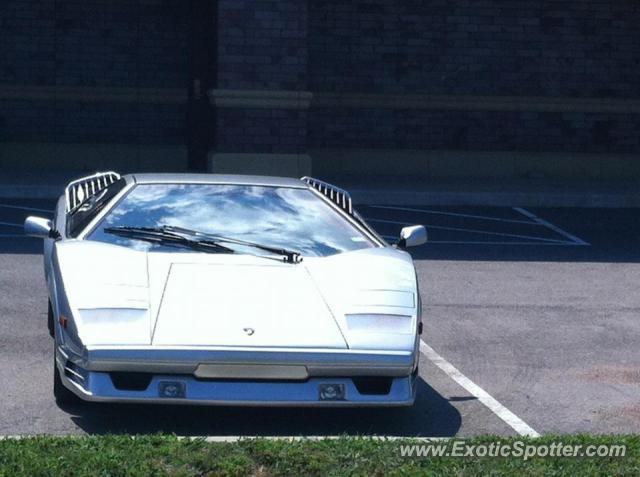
x: 432, y: 416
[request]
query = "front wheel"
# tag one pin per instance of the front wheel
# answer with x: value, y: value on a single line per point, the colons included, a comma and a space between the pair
x: 63, y: 395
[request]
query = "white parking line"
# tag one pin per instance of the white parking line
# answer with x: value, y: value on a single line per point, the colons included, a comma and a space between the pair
x: 454, y: 214
x: 10, y: 224
x: 393, y: 238
x: 472, y: 388
x: 549, y: 225
x: 475, y: 231
x: 20, y: 207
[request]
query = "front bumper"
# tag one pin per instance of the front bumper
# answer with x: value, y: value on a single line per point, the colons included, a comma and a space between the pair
x: 92, y: 377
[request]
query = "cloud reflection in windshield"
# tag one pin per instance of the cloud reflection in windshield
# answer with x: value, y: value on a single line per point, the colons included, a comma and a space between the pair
x: 277, y: 216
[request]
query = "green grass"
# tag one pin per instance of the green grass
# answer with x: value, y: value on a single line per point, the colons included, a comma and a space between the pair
x: 166, y: 455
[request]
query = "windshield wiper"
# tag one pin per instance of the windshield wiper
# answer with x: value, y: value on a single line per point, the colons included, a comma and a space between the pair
x: 175, y: 234
x: 162, y: 236
x: 290, y: 256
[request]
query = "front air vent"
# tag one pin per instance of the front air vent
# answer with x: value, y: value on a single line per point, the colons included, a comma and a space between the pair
x: 125, y: 381
x: 338, y: 196
x: 372, y: 385
x: 342, y: 199
x: 75, y: 373
x: 78, y: 191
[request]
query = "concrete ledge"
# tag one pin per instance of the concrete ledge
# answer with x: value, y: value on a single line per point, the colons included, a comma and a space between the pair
x: 401, y: 192
x: 439, y: 164
x: 543, y: 104
x: 94, y: 94
x: 229, y: 98
x: 292, y: 165
x: 261, y: 99
x: 92, y: 156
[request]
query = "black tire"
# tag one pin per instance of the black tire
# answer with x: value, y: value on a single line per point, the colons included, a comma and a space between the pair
x: 52, y: 330
x: 63, y: 396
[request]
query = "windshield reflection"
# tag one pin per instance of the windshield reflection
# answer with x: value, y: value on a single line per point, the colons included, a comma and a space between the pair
x: 276, y: 216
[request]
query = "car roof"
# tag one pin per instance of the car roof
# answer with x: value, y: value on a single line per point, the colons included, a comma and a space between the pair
x: 191, y: 178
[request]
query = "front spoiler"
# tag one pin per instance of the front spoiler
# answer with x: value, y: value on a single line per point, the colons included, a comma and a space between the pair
x: 97, y: 385
x: 323, y: 362
x: 230, y: 393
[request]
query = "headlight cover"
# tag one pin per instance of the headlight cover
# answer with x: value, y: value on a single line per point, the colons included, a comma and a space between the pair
x: 112, y: 326
x: 380, y: 323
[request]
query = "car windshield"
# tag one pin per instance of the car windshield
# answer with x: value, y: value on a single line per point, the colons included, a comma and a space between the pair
x: 292, y: 218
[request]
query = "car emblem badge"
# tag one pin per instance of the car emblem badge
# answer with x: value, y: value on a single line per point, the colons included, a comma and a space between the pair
x: 249, y: 331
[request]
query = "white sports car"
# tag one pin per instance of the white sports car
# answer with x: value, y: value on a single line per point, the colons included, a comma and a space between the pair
x: 216, y: 289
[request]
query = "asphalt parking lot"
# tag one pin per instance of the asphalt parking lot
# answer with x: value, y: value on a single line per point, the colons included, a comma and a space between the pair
x: 537, y: 309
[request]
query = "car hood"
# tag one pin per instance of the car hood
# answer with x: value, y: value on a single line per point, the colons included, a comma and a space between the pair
x: 121, y: 296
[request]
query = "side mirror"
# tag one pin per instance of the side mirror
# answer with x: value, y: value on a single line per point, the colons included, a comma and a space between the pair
x: 412, y: 236
x: 38, y: 227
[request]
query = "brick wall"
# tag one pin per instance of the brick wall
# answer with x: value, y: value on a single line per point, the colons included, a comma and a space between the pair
x: 452, y: 130
x: 248, y: 130
x: 106, y: 44
x: 262, y: 45
x: 565, y: 49
x: 577, y: 48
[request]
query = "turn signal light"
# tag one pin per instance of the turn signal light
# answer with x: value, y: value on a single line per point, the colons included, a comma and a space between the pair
x: 63, y: 321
